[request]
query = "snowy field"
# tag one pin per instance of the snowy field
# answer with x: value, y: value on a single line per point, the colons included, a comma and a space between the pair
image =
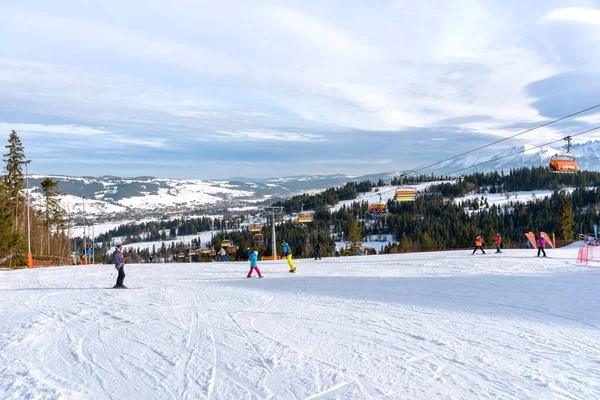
x: 440, y: 325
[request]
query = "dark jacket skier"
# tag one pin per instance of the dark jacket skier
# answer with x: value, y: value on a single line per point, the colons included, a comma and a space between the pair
x: 120, y: 266
x: 318, y: 251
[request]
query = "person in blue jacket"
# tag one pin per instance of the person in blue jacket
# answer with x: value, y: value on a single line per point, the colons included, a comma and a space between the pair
x: 254, y: 265
x: 287, y: 253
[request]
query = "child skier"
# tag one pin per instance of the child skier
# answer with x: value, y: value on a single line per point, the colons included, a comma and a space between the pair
x: 479, y: 245
x: 498, y: 240
x: 287, y: 253
x: 253, y: 264
x: 541, y: 244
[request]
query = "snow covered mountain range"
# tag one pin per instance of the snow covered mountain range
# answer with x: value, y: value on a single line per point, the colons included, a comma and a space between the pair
x: 109, y: 197
x: 521, y: 156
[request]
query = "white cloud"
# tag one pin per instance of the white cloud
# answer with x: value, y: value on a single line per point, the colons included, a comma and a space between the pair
x: 61, y: 129
x: 583, y: 15
x: 269, y: 136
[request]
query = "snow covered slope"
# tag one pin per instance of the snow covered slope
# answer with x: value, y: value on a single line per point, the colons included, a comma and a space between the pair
x: 413, y: 326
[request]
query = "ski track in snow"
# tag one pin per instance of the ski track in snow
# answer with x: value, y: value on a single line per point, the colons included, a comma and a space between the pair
x: 409, y: 326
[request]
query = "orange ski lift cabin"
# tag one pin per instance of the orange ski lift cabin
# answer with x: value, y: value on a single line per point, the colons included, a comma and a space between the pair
x: 258, y: 238
x: 255, y: 228
x: 226, y: 243
x: 378, y: 208
x: 564, y: 163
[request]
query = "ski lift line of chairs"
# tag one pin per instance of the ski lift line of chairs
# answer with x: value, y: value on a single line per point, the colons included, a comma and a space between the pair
x: 564, y: 163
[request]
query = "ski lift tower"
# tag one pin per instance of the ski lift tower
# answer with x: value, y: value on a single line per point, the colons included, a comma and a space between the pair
x: 275, y: 213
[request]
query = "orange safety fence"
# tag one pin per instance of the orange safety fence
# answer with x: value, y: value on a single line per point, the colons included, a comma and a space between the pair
x: 30, y: 261
x: 41, y: 263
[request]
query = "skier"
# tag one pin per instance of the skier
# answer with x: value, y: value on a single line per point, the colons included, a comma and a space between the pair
x: 479, y: 245
x: 498, y: 240
x: 120, y: 266
x: 223, y: 254
x: 541, y: 244
x: 253, y: 264
x: 248, y: 253
x: 287, y: 253
x: 318, y: 251
x: 337, y: 251
x: 528, y: 244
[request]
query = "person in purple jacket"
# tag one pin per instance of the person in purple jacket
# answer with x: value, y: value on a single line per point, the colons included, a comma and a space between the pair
x: 541, y: 244
x: 120, y: 266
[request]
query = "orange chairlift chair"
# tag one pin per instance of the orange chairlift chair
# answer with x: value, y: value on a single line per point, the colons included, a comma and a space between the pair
x: 564, y: 163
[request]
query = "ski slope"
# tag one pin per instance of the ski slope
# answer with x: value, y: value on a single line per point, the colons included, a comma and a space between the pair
x: 439, y: 325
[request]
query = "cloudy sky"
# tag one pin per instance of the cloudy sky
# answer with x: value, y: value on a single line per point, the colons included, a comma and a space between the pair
x: 214, y: 89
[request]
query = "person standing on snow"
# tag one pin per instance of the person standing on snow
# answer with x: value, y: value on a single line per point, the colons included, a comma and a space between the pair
x: 287, y: 253
x: 318, y: 251
x: 253, y: 264
x: 541, y: 244
x: 248, y: 253
x: 479, y: 245
x: 498, y: 240
x: 120, y: 266
x: 223, y: 254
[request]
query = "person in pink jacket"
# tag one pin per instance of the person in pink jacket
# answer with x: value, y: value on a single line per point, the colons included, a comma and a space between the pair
x: 541, y: 244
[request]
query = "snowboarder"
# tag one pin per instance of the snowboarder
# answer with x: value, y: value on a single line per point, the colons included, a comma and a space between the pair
x: 318, y: 251
x: 287, y: 253
x: 120, y: 267
x: 253, y: 264
x: 223, y: 254
x: 498, y: 241
x: 479, y: 245
x: 541, y: 244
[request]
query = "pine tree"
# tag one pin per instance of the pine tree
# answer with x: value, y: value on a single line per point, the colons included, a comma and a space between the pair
x: 354, y: 233
x: 6, y: 228
x: 404, y: 243
x: 565, y: 222
x: 53, y: 210
x: 426, y: 241
x: 13, y: 168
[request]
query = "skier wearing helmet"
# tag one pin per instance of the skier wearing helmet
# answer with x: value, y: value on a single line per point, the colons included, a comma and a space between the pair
x: 479, y: 245
x: 253, y: 265
x: 120, y: 266
x: 287, y: 253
